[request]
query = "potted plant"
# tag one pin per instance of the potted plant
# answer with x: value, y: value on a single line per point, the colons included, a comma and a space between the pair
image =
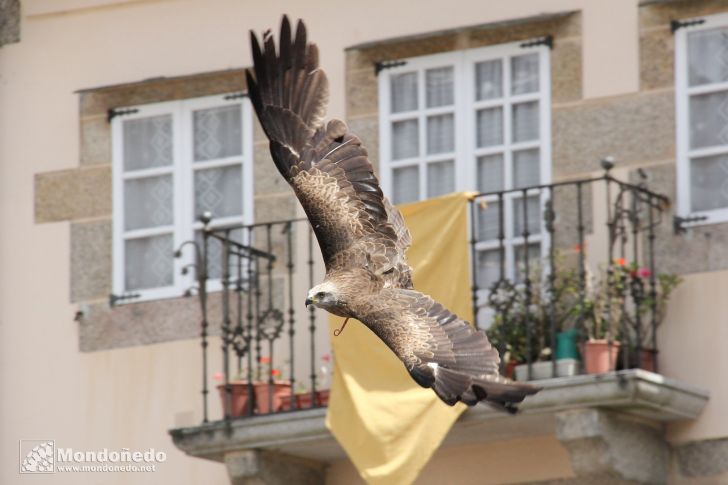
x: 240, y: 391
x: 553, y: 301
x: 269, y: 394
x: 641, y: 323
x: 254, y: 395
x: 603, y: 310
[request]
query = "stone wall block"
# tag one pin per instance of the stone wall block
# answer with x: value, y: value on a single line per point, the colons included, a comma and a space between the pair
x: 91, y: 265
x: 633, y: 128
x: 657, y: 59
x: 73, y: 194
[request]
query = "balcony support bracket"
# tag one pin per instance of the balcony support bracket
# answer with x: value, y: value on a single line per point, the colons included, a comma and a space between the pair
x: 259, y: 467
x: 606, y: 445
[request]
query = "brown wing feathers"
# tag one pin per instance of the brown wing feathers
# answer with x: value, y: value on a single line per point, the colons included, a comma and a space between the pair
x: 449, y: 355
x: 289, y: 93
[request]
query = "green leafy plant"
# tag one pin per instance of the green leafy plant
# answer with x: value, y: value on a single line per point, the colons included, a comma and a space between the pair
x: 596, y: 305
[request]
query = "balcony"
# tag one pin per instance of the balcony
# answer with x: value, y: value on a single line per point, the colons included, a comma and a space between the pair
x: 554, y: 267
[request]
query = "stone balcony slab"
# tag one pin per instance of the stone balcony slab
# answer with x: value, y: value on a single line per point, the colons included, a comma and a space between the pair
x: 635, y: 394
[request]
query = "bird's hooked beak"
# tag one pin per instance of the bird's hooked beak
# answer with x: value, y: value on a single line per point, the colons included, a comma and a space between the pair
x: 309, y: 301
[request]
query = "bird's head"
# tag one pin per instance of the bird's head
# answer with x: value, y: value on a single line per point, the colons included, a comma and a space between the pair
x: 325, y: 295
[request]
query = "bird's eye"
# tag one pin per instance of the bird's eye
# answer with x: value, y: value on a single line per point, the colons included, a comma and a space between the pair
x: 320, y: 295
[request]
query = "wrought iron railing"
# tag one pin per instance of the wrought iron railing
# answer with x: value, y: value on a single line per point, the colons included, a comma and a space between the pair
x: 550, y: 258
x: 247, y: 278
x: 535, y: 253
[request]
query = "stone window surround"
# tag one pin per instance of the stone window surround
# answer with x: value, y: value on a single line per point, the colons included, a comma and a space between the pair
x: 83, y: 196
x: 703, y: 247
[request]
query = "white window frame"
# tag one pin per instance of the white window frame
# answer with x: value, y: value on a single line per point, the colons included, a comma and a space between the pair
x: 466, y: 153
x: 682, y: 96
x: 182, y: 169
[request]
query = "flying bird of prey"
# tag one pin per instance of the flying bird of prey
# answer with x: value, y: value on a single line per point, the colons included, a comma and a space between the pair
x: 363, y: 237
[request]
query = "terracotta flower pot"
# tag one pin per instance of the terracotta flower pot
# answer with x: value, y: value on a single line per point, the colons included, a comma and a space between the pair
x: 303, y: 399
x: 648, y: 359
x: 238, y: 398
x: 510, y: 368
x: 323, y: 397
x: 287, y: 402
x: 600, y: 356
x: 265, y: 402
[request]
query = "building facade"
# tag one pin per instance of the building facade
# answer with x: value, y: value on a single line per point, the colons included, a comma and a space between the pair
x: 123, y: 121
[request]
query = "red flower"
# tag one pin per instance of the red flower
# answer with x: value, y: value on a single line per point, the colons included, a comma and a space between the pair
x: 577, y: 248
x: 275, y: 372
x: 644, y: 272
x: 217, y: 376
x: 265, y: 360
x: 620, y: 261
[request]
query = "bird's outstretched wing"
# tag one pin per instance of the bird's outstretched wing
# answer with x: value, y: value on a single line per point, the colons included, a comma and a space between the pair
x: 442, y: 351
x: 326, y: 165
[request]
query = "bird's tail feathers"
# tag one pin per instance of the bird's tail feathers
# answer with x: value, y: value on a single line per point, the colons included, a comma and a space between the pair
x: 497, y: 391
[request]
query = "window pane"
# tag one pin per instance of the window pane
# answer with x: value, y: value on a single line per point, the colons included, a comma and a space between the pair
x: 526, y: 168
x: 405, y: 139
x: 525, y: 121
x: 148, y: 262
x: 406, y: 184
x: 534, y: 261
x: 440, y: 178
x: 219, y: 190
x: 490, y: 127
x: 148, y: 202
x: 709, y: 183
x: 440, y: 134
x: 403, y: 92
x: 488, y: 80
x: 439, y: 84
x: 147, y: 142
x: 218, y: 133
x: 533, y: 207
x: 488, y: 221
x: 488, y: 268
x: 709, y: 120
x: 524, y: 74
x: 708, y: 56
x: 214, y: 251
x: 490, y: 173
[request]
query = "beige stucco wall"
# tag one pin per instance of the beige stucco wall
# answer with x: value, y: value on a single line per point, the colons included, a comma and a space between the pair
x: 130, y: 397
x: 692, y: 341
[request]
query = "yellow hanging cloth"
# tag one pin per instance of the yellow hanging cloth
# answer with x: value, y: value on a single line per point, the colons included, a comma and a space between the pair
x: 389, y: 425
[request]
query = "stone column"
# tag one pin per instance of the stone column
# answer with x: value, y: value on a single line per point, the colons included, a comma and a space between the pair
x: 257, y: 467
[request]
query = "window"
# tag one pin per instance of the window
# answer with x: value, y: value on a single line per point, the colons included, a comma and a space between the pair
x: 701, y: 88
x: 473, y: 120
x: 173, y: 161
